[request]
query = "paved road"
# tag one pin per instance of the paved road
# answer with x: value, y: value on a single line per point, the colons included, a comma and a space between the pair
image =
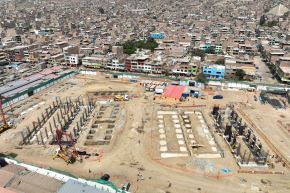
x: 264, y: 72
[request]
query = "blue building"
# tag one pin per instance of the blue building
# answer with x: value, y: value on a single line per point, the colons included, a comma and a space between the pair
x: 157, y: 35
x: 214, y: 71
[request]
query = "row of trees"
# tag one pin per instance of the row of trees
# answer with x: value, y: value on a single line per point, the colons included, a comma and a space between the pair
x: 201, y: 53
x: 130, y: 47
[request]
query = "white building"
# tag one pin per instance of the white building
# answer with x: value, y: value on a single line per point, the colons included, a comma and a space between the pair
x: 73, y: 60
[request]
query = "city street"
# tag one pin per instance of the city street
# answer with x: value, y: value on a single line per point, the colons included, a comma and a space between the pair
x: 263, y: 72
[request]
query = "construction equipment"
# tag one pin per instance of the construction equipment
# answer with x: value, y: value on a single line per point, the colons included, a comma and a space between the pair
x: 63, y: 154
x: 69, y: 153
x: 121, y: 98
x: 6, y: 124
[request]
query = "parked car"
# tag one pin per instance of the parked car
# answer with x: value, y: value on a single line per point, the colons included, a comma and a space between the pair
x: 218, y: 97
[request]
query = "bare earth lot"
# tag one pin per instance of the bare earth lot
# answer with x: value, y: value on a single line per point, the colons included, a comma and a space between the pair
x: 133, y: 153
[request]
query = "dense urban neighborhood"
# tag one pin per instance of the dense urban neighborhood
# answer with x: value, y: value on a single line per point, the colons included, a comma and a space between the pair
x: 144, y: 96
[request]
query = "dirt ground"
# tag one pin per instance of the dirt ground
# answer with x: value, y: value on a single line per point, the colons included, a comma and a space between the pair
x: 133, y: 154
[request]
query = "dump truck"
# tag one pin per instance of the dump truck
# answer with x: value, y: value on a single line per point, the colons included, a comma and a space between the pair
x: 121, y: 98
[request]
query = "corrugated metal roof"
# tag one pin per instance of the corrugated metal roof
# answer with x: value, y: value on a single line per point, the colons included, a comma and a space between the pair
x: 56, y: 68
x: 72, y: 186
x: 46, y: 72
x: 20, y: 89
x: 20, y: 83
x: 51, y: 76
x: 173, y: 91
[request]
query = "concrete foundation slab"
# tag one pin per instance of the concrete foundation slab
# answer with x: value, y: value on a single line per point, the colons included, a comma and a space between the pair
x: 162, y: 142
x: 172, y: 155
x: 163, y: 148
x: 182, y: 149
x: 179, y: 136
x: 178, y: 131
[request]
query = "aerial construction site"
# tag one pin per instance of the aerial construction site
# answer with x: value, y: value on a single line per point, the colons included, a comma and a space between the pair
x: 151, y: 134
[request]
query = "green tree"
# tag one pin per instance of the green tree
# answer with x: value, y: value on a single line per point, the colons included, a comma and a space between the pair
x: 210, y: 50
x: 150, y: 44
x: 272, y: 23
x: 130, y: 47
x: 101, y: 10
x: 220, y: 61
x: 198, y: 52
x: 240, y: 74
x: 201, y: 78
x: 262, y: 20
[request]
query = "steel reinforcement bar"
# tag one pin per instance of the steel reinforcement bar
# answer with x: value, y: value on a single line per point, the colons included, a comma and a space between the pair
x: 265, y: 138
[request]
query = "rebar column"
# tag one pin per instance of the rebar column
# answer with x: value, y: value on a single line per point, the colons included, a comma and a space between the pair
x: 29, y: 133
x: 58, y: 118
x: 53, y: 139
x: 39, y: 122
x: 41, y: 137
x: 37, y: 139
x: 61, y: 113
x: 46, y: 133
x: 243, y: 157
x: 54, y: 122
x: 23, y: 138
x: 249, y: 157
x: 47, y: 113
x: 43, y: 117
x: 75, y: 132
x: 34, y: 126
x: 53, y: 104
x: 78, y: 127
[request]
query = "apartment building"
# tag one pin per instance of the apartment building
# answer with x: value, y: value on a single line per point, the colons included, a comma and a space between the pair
x: 214, y: 71
x: 73, y: 60
x: 283, y: 69
x: 115, y: 65
x: 274, y: 55
x: 98, y: 61
x: 57, y: 59
x: 138, y: 63
x: 71, y: 53
x: 185, y: 67
x: 3, y: 59
x: 234, y: 64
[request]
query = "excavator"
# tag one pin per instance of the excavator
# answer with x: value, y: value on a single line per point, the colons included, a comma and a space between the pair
x: 6, y: 125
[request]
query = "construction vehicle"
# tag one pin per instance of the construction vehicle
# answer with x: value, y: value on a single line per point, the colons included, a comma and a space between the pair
x: 121, y: 98
x: 69, y: 154
x: 6, y: 124
x: 63, y: 154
